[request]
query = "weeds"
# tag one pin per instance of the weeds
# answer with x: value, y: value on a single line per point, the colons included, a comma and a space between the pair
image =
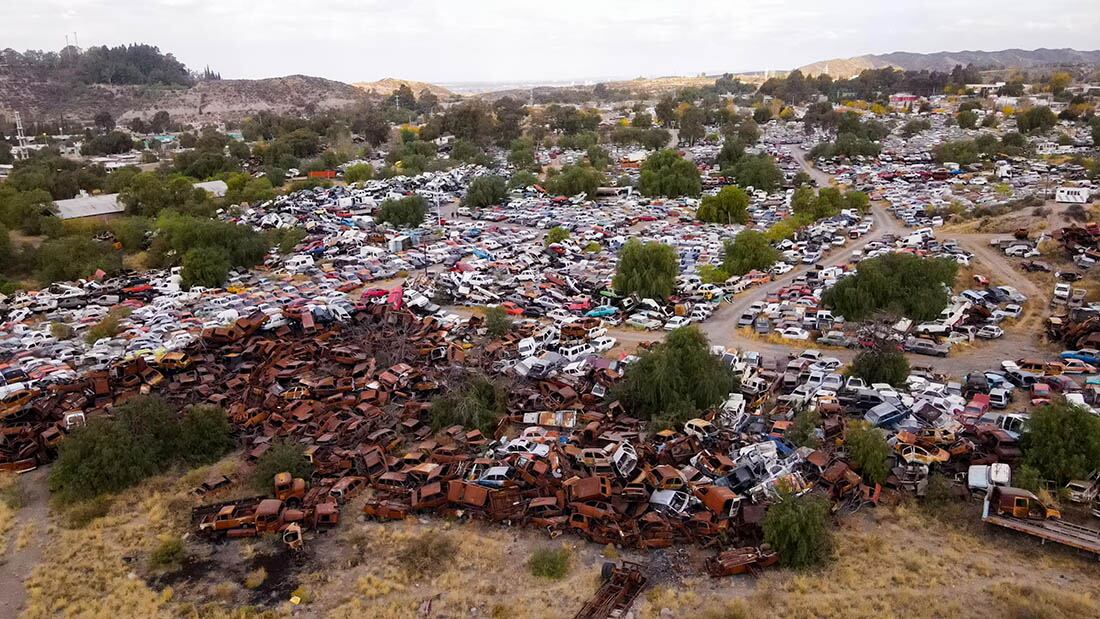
x: 168, y: 553
x: 427, y: 551
x: 255, y: 578
x: 81, y: 514
x: 552, y: 563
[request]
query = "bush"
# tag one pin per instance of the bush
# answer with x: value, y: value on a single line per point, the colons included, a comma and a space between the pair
x: 168, y: 553
x: 429, y: 551
x: 485, y: 191
x: 522, y: 180
x: 285, y: 239
x: 556, y: 234
x: 552, y: 563
x: 70, y: 258
x: 281, y: 457
x: 868, y: 451
x: 359, y: 172
x: 82, y: 513
x: 205, y: 434
x: 666, y: 173
x: 109, y: 326
x: 1062, y: 442
x: 881, y: 366
x: 804, y: 431
x: 407, y: 212
x: 676, y: 378
x: 574, y: 180
x: 646, y: 269
x: 758, y: 172
x: 497, y: 321
x: 255, y: 578
x: 60, y: 331
x: 796, y: 528
x: 205, y: 266
x: 748, y: 251
x: 477, y: 403
x: 710, y: 274
x: 900, y: 284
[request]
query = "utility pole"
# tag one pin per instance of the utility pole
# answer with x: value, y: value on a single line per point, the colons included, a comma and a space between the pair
x: 21, y: 137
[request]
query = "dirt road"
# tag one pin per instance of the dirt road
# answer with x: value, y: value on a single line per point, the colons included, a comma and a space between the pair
x: 26, y: 542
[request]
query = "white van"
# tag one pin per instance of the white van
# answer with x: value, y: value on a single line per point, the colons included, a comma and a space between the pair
x: 527, y: 347
x: 576, y: 352
x: 301, y: 262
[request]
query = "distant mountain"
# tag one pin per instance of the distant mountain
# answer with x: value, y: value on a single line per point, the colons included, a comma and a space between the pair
x: 385, y: 87
x: 945, y: 61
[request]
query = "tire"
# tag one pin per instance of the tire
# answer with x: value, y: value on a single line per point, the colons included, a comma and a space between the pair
x: 607, y: 570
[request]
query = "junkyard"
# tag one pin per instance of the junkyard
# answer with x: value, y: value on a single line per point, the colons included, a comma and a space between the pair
x: 766, y: 344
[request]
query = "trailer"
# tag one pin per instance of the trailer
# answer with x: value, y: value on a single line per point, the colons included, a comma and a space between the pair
x: 1020, y: 511
x: 620, y: 588
x: 1071, y: 195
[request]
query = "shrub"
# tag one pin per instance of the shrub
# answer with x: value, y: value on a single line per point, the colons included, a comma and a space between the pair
x: 205, y: 434
x: 428, y: 551
x: 748, y: 251
x: 881, y: 365
x: 552, y: 563
x: 795, y: 527
x: 168, y: 553
x: 109, y: 326
x: 1062, y: 442
x: 281, y: 457
x: 522, y: 180
x: 758, y: 172
x: 868, y: 451
x: 205, y: 266
x: 477, y: 403
x: 666, y: 173
x: 60, y: 331
x: 497, y: 321
x: 804, y: 431
x: 556, y: 234
x: 80, y: 514
x: 408, y: 212
x: 574, y: 180
x: 729, y: 206
x: 359, y: 172
x: 485, y: 191
x: 255, y: 578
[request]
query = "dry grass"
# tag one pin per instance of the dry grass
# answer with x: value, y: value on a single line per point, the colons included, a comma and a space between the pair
x: 255, y: 578
x: 11, y: 499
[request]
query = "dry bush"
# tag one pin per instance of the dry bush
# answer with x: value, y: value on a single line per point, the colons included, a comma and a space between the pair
x: 255, y: 578
x: 429, y: 551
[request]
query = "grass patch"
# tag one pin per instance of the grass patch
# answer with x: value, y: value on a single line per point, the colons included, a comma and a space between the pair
x: 429, y: 551
x: 168, y: 553
x: 1038, y: 602
x: 80, y: 514
x: 11, y: 492
x: 552, y: 563
x: 255, y: 578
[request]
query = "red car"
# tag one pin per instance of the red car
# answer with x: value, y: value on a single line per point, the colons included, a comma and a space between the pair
x: 511, y: 308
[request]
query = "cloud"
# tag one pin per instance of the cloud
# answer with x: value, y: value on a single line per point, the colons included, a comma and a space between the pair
x: 467, y: 40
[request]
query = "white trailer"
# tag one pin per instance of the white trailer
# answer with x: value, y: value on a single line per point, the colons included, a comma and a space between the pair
x: 1071, y: 195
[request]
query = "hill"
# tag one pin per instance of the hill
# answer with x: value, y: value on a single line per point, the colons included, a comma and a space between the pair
x: 945, y: 61
x: 386, y: 86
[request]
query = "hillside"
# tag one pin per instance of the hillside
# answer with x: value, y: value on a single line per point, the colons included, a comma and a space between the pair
x: 208, y: 100
x: 945, y: 61
x: 386, y: 86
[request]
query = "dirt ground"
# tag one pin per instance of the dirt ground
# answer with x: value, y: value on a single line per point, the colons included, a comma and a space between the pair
x: 888, y: 561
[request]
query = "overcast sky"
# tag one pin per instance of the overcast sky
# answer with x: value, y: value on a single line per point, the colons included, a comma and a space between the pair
x: 509, y: 40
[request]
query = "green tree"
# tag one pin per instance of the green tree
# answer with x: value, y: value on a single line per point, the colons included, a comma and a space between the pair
x: 881, y: 365
x: 692, y: 127
x: 522, y: 154
x: 642, y: 120
x: 796, y: 527
x: 732, y: 152
x: 1062, y: 442
x: 868, y: 451
x: 574, y: 180
x: 486, y: 190
x: 915, y: 126
x: 759, y: 172
x: 729, y: 206
x: 497, y: 321
x: 75, y: 257
x: 556, y: 234
x: 675, y: 379
x: 646, y: 269
x: 967, y: 119
x: 1036, y: 120
x: 666, y: 173
x: 359, y: 172
x: 597, y: 157
x: 205, y: 266
x: 804, y: 431
x: 748, y: 251
x: 522, y: 180
x: 280, y: 458
x: 962, y: 152
x: 6, y: 251
x: 666, y: 111
x: 205, y: 434
x: 897, y: 284
x: 404, y: 212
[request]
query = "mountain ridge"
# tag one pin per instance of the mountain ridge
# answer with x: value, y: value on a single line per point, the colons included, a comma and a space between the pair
x: 945, y: 60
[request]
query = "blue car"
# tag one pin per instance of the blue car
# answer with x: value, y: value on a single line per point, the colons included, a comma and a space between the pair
x: 1088, y: 355
x: 600, y: 312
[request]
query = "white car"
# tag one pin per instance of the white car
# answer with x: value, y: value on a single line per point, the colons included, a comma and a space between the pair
x: 794, y: 333
x: 990, y: 332
x: 604, y: 344
x: 676, y: 322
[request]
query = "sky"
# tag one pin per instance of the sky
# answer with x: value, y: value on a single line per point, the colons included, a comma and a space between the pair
x: 451, y: 41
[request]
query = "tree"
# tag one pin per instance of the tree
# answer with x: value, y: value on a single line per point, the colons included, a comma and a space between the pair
x: 666, y: 173
x: 497, y: 322
x: 762, y: 114
x: 642, y: 120
x: 6, y: 251
x: 758, y: 172
x: 359, y: 172
x: 522, y: 180
x: 729, y: 206
x: 692, y: 126
x: 160, y: 122
x: 868, y: 451
x: 426, y: 101
x: 666, y: 111
x: 675, y: 379
x: 104, y: 120
x: 1062, y: 442
x: 111, y: 143
x: 962, y: 152
x: 75, y: 257
x: 646, y: 269
x: 732, y: 152
x: 915, y: 126
x: 967, y: 119
x: 1035, y: 120
x: 556, y: 234
x: 486, y: 190
x: 882, y: 364
x: 522, y: 154
x: 804, y: 431
x: 205, y: 266
x: 574, y: 180
x: 477, y: 403
x: 280, y: 458
x: 894, y: 283
x: 796, y: 528
x: 1058, y: 81
x: 404, y: 212
x: 598, y: 158
x: 749, y: 251
x: 205, y: 434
